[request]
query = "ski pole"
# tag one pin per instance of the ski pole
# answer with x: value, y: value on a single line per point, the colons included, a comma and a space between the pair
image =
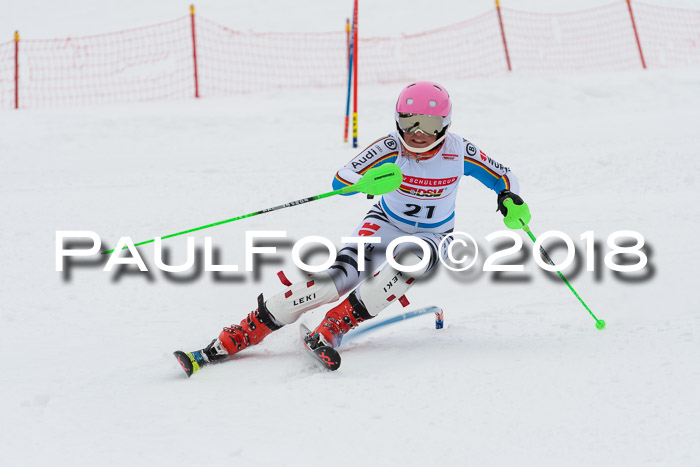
x: 404, y: 316
x: 515, y: 214
x: 377, y: 181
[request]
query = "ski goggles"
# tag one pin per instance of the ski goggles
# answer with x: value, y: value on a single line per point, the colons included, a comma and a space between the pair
x: 428, y: 124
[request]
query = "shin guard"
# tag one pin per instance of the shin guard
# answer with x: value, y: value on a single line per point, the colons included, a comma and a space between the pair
x: 301, y: 297
x: 377, y: 293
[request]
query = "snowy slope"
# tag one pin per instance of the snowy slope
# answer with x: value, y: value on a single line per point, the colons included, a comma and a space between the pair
x: 520, y: 375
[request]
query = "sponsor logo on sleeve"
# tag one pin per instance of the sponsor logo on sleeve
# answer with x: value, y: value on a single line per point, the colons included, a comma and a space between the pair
x: 494, y: 164
x: 486, y: 159
x: 366, y: 157
x: 390, y: 144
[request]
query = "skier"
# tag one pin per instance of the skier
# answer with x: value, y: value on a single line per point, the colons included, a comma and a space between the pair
x: 432, y: 161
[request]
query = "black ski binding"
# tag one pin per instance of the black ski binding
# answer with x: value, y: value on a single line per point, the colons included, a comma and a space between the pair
x: 325, y: 355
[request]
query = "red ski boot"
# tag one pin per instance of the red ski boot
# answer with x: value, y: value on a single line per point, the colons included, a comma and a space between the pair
x: 339, y: 320
x: 253, y: 329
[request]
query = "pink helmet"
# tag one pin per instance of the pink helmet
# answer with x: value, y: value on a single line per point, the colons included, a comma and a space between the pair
x: 423, y: 106
x: 424, y: 98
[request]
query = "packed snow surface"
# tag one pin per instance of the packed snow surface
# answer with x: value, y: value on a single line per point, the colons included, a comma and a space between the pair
x: 519, y: 375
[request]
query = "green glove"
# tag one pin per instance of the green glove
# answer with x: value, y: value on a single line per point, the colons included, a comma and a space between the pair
x: 515, y: 211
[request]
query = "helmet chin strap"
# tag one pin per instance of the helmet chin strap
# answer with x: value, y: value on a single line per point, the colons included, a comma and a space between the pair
x: 427, y: 154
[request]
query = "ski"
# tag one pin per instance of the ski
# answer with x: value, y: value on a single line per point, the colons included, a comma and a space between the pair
x: 325, y: 355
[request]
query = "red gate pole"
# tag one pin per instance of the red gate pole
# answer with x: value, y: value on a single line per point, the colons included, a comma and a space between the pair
x: 16, y: 69
x: 194, y: 54
x: 503, y: 33
x: 636, y: 36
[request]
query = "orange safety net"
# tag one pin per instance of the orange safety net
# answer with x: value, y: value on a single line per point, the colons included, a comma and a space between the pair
x: 157, y: 62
